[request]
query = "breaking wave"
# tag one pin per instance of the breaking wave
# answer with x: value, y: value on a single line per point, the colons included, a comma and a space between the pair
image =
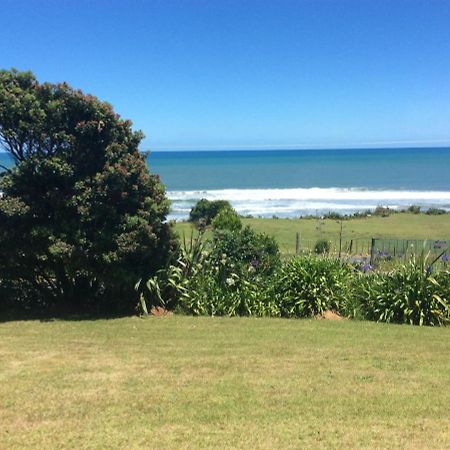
x: 305, y: 201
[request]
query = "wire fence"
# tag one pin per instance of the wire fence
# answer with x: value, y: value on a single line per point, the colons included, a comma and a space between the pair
x: 437, y: 251
x: 380, y: 250
x: 346, y: 246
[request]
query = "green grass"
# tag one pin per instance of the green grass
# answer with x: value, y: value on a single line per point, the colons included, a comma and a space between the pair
x: 186, y: 382
x: 396, y: 226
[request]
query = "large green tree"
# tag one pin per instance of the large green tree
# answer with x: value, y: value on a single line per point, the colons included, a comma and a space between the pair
x: 81, y: 217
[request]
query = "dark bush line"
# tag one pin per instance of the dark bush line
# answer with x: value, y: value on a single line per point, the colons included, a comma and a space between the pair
x: 379, y: 211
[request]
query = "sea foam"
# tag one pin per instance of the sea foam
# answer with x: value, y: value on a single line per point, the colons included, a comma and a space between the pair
x: 303, y: 201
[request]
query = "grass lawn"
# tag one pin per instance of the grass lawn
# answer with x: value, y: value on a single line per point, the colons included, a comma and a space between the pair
x: 396, y: 226
x: 186, y: 382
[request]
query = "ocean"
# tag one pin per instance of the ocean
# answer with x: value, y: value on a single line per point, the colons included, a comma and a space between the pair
x: 293, y: 183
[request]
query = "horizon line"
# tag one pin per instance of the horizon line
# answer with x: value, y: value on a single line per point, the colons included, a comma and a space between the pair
x: 442, y: 143
x: 390, y: 145
x: 286, y: 148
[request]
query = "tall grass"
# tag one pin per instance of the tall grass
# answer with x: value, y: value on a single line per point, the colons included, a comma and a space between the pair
x: 306, y: 286
x: 408, y: 293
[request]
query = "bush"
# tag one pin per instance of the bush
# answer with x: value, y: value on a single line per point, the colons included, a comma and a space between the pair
x: 245, y: 250
x: 206, y: 210
x: 236, y: 296
x: 362, y: 214
x: 306, y: 286
x: 322, y: 246
x: 414, y: 209
x: 407, y: 294
x: 81, y: 217
x: 227, y: 219
x: 228, y: 276
x: 382, y: 211
x: 222, y: 279
x: 435, y: 211
x: 331, y: 215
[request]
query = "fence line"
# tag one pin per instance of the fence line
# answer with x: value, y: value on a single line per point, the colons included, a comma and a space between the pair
x: 380, y: 249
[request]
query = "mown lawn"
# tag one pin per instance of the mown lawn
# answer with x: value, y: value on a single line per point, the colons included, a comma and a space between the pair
x: 185, y: 382
x: 396, y: 226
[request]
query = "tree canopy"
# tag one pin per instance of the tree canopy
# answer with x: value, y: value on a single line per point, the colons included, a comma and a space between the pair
x: 205, y: 210
x: 81, y: 217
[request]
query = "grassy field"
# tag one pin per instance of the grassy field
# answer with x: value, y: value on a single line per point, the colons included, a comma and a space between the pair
x: 396, y: 226
x: 186, y: 382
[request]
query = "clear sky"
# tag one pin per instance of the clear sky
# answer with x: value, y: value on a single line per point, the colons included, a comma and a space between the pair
x: 236, y: 74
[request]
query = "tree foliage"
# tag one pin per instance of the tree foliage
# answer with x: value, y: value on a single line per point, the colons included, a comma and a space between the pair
x: 81, y: 218
x: 205, y: 210
x: 227, y: 219
x: 246, y: 249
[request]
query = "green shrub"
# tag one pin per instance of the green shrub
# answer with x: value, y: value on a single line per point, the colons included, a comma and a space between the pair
x: 414, y: 209
x: 206, y: 210
x: 322, y: 246
x: 246, y: 250
x: 221, y: 285
x: 407, y: 294
x: 306, y: 286
x: 171, y: 283
x: 18, y: 297
x: 237, y: 295
x: 81, y: 216
x: 227, y: 219
x: 382, y: 211
x: 228, y: 276
x: 435, y: 211
x: 331, y: 215
x: 362, y: 214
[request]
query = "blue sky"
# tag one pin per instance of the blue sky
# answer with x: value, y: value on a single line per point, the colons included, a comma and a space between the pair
x: 243, y: 74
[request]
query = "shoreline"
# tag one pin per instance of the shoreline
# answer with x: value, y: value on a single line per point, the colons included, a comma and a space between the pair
x: 379, y: 211
x: 315, y: 201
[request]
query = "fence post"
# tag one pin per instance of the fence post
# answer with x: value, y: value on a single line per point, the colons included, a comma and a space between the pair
x: 297, y: 243
x: 372, y: 251
x: 340, y: 240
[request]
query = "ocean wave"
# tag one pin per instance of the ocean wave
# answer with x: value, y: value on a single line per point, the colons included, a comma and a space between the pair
x: 303, y: 201
x: 314, y: 193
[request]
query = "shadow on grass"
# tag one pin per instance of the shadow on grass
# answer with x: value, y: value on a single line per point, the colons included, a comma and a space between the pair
x: 9, y: 316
